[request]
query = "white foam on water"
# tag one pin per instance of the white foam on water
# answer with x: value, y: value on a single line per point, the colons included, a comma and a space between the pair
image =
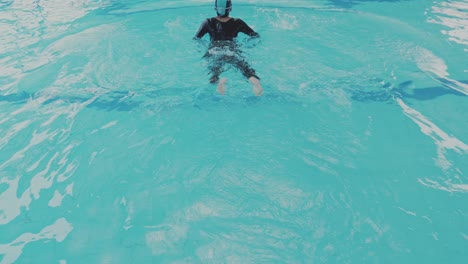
x: 163, y: 240
x: 281, y: 19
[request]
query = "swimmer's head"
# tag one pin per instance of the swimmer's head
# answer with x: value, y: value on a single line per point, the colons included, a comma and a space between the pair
x: 223, y: 7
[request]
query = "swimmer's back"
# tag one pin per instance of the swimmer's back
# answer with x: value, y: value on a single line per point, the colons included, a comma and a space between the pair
x: 228, y: 30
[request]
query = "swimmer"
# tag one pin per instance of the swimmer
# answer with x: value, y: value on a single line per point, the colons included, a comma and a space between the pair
x: 223, y: 49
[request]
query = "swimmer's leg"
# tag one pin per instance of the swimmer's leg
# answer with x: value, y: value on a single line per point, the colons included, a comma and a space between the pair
x: 256, y: 86
x: 216, y: 69
x: 222, y: 86
x: 250, y: 74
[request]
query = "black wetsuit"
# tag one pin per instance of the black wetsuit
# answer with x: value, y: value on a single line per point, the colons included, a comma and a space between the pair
x: 223, y: 48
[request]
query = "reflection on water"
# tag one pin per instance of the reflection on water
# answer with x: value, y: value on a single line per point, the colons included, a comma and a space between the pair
x: 454, y: 16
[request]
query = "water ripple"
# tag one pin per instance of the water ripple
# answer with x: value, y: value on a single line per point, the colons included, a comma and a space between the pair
x: 441, y: 138
x: 453, y: 15
x: 57, y: 231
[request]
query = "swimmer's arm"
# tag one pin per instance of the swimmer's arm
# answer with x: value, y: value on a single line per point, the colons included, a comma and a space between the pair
x: 244, y: 28
x: 202, y: 30
x: 202, y: 44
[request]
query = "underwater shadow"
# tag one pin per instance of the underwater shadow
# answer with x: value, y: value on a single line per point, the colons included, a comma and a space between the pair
x: 207, y: 100
x: 111, y: 103
x: 162, y: 100
x: 387, y: 92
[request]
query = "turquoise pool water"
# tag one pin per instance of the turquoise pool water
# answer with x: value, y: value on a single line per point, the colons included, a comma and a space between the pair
x: 114, y: 148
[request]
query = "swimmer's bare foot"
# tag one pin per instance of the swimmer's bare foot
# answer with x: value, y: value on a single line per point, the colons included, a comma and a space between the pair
x: 222, y: 86
x: 256, y: 86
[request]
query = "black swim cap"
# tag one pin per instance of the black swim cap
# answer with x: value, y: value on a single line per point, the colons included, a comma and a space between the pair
x: 223, y: 7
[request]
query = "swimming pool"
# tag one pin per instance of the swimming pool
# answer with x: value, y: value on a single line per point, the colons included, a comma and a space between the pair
x: 114, y: 148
